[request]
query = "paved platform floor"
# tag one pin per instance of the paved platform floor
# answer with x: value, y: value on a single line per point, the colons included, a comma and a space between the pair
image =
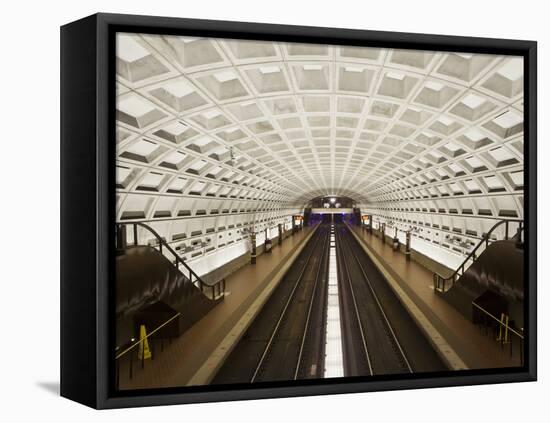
x: 476, y: 349
x: 179, y: 361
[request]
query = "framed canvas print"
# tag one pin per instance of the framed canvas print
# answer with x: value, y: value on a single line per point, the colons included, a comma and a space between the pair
x: 255, y: 211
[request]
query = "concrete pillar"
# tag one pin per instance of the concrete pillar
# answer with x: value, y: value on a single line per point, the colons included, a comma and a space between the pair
x: 267, y: 242
x: 408, y: 246
x: 253, y: 249
x: 121, y: 237
x: 519, y: 242
x: 395, y: 241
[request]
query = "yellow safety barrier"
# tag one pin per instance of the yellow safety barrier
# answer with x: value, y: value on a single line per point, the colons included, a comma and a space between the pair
x: 503, y: 327
x: 144, y: 352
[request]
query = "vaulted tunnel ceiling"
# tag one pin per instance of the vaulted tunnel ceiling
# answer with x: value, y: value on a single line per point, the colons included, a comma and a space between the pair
x: 204, y: 124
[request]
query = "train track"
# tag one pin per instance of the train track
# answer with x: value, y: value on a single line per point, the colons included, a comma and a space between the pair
x: 287, y: 330
x: 380, y: 337
x: 377, y: 349
x: 285, y: 341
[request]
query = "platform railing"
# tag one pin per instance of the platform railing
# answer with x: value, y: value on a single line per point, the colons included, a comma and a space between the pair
x: 214, y: 291
x: 134, y: 355
x: 502, y: 332
x: 443, y: 283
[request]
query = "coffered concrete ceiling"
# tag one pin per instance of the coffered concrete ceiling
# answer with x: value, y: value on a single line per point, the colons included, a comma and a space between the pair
x: 230, y: 127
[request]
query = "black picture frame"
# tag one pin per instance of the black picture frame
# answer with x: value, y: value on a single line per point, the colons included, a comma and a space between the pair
x: 88, y: 205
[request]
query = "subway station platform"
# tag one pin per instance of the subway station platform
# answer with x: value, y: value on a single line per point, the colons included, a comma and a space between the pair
x: 194, y: 357
x: 459, y: 339
x: 214, y: 158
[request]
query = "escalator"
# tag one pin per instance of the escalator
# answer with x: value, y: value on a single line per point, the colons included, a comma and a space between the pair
x: 493, y: 281
x: 151, y: 289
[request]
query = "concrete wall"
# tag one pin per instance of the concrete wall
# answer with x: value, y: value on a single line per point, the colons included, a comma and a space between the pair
x: 423, y: 260
x: 235, y: 264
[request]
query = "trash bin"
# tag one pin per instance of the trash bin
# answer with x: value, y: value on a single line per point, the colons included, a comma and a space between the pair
x: 395, y: 244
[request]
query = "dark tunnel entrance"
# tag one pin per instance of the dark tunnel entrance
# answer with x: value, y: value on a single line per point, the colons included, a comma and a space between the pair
x: 332, y: 209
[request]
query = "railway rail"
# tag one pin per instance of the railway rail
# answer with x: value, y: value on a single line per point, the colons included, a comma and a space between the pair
x: 379, y: 335
x: 286, y: 341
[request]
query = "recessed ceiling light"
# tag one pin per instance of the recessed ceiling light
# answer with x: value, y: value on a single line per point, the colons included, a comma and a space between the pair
x: 129, y: 49
x: 445, y: 120
x: 179, y: 88
x: 473, y: 101
x: 474, y: 162
x: 175, y: 157
x: 188, y: 40
x: 471, y: 185
x: 269, y: 69
x: 122, y: 173
x: 455, y: 168
x: 501, y: 154
x: 513, y: 69
x: 202, y: 141
x: 451, y: 146
x: 466, y: 56
x: 353, y: 69
x: 135, y: 106
x: 312, y: 67
x: 176, y: 128
x: 435, y: 86
x: 220, y: 150
x: 225, y: 76
x: 474, y: 134
x: 493, y: 182
x: 394, y: 75
x: 152, y: 179
x: 142, y: 147
x: 211, y: 114
x: 198, y: 165
x: 517, y: 177
x: 508, y: 119
x: 248, y: 103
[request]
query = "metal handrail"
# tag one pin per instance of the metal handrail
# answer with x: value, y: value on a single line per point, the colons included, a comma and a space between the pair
x: 504, y: 325
x: 439, y: 279
x: 140, y: 343
x: 217, y: 288
x: 141, y: 340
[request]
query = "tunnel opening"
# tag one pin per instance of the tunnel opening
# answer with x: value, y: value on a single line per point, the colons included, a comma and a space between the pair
x: 332, y: 209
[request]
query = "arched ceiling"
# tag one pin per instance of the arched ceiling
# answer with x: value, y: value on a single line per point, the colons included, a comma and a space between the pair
x: 356, y: 196
x: 275, y: 124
